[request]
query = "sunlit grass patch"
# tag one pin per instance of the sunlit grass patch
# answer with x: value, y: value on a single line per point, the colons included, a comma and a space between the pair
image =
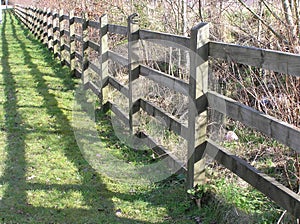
x: 58, y: 199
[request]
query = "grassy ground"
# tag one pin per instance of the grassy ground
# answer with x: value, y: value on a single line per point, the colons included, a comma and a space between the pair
x: 43, y: 176
x: 45, y: 179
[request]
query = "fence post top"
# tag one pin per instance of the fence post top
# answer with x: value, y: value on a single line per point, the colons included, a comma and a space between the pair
x: 199, y: 26
x: 103, y: 17
x: 201, y: 30
x: 84, y: 15
x: 133, y: 18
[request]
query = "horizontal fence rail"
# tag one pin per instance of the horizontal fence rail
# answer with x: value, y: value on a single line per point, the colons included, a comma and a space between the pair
x: 276, y: 61
x: 56, y: 30
x: 276, y: 129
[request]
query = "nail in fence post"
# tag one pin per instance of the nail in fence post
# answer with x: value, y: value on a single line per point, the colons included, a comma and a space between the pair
x: 72, y: 42
x: 133, y: 61
x: 198, y: 85
x: 85, y: 49
x: 103, y: 53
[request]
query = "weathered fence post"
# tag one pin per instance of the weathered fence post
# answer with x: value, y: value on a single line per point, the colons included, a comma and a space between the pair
x: 35, y: 18
x: 133, y: 62
x: 45, y: 27
x: 50, y: 29
x: 85, y: 49
x: 26, y: 15
x: 32, y: 20
x: 72, y: 42
x: 34, y: 25
x: 198, y: 85
x: 61, y: 35
x: 55, y: 29
x: 40, y: 24
x: 103, y: 53
x: 29, y: 18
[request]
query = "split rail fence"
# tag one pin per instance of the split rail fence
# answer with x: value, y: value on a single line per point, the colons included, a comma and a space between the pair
x: 47, y: 26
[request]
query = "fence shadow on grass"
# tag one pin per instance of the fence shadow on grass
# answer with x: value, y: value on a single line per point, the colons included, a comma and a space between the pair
x: 14, y: 206
x: 14, y: 173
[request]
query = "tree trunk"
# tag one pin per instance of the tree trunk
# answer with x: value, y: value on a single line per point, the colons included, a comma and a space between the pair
x: 296, y: 6
x: 184, y: 17
x: 200, y: 10
x: 288, y: 16
x: 259, y: 27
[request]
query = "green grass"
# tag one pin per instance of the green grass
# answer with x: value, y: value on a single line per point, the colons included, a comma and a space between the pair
x: 43, y: 176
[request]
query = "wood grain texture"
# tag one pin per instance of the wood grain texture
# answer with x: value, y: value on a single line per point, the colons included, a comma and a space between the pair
x: 276, y: 61
x: 94, y: 45
x: 94, y: 24
x: 50, y: 30
x: 133, y: 62
x: 198, y: 82
x: 120, y: 59
x: 103, y: 52
x: 77, y: 19
x: 94, y: 67
x: 55, y: 23
x: 117, y: 29
x: 61, y: 34
x: 84, y: 49
x: 164, y: 79
x: 165, y: 38
x: 72, y: 42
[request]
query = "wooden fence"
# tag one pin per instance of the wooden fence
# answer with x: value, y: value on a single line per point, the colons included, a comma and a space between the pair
x: 48, y: 27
